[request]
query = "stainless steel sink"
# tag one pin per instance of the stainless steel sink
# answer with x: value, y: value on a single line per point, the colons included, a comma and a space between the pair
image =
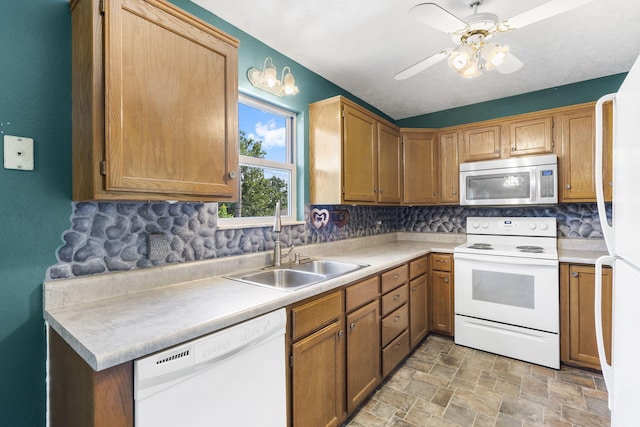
x: 282, y: 278
x: 328, y: 268
x: 296, y: 276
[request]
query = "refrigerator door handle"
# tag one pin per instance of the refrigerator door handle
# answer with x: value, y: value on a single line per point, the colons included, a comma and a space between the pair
x: 607, y: 370
x: 607, y: 230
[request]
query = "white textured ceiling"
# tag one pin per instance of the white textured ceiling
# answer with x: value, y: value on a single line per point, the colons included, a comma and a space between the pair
x: 361, y: 44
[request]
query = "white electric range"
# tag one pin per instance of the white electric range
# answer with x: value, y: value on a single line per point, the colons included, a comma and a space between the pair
x: 507, y: 288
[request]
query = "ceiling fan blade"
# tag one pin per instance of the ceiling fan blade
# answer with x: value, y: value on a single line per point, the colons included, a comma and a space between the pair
x: 544, y: 11
x: 423, y: 65
x: 437, y: 17
x: 510, y: 64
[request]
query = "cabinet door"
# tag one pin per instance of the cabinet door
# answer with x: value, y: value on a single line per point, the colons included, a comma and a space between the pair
x: 578, y: 344
x: 171, y: 104
x: 529, y: 137
x: 418, y: 310
x: 449, y: 169
x: 363, y: 353
x: 481, y: 143
x: 389, y: 165
x: 442, y: 302
x: 359, y: 155
x: 577, y: 156
x: 420, y: 158
x: 317, y: 378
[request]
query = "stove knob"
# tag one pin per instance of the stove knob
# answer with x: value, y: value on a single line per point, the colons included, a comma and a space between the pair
x: 532, y: 226
x: 485, y: 225
x: 544, y: 226
x: 475, y: 224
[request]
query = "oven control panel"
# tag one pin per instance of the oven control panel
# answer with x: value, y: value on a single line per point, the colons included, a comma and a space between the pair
x: 518, y: 226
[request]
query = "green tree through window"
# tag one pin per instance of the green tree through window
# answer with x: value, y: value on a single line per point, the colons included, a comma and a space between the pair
x: 267, y: 170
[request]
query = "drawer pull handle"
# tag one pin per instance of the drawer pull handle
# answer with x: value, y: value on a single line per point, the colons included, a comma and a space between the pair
x: 396, y: 297
x: 353, y: 325
x: 442, y: 260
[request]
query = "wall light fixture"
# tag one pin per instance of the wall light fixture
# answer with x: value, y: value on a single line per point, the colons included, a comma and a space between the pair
x: 267, y: 79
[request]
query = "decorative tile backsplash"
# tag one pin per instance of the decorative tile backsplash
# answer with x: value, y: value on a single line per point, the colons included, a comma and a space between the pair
x: 109, y: 236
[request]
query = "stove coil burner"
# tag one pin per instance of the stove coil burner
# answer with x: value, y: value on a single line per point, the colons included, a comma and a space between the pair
x: 483, y: 246
x: 530, y: 249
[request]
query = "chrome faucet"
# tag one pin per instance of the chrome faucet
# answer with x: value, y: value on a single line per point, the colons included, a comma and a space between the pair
x: 277, y: 228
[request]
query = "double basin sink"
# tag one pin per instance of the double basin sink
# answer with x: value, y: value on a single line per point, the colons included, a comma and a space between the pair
x: 296, y: 276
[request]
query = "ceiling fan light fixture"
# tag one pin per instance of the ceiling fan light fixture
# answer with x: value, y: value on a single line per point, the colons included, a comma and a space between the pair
x: 472, y: 71
x: 461, y: 58
x: 493, y: 55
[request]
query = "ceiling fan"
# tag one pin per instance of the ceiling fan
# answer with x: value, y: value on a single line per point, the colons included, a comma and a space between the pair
x: 473, y: 53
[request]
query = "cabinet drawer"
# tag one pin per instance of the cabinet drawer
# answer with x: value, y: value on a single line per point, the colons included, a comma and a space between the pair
x: 395, y: 299
x: 441, y: 262
x: 418, y: 267
x: 394, y: 324
x: 392, y: 278
x: 361, y: 293
x: 315, y: 314
x: 394, y: 353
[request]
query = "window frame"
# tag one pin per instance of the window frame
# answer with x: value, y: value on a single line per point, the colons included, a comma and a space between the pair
x: 290, y: 165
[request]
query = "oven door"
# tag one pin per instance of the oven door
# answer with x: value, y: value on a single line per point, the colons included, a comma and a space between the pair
x: 511, y: 290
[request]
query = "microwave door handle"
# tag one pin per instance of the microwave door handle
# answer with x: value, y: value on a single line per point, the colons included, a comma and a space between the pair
x: 607, y: 230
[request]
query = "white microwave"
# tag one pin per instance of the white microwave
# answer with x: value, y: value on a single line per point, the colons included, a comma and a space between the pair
x: 529, y: 180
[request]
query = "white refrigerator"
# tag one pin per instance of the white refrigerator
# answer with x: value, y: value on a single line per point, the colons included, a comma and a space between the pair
x: 622, y: 237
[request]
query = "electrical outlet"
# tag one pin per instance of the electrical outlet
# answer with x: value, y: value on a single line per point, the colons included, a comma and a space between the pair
x: 158, y: 246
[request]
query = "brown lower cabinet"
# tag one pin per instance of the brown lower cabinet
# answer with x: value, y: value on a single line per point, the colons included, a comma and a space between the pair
x: 420, y: 319
x: 82, y: 397
x: 442, y: 311
x: 577, y: 318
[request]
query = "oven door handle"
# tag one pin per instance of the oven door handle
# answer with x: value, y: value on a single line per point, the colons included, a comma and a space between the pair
x: 505, y: 259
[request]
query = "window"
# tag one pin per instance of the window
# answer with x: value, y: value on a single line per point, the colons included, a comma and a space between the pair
x: 267, y: 165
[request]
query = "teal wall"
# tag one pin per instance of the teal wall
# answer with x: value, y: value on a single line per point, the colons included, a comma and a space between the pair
x: 35, y: 101
x: 561, y: 96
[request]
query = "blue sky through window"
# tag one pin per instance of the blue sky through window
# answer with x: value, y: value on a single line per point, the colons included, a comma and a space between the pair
x: 267, y: 127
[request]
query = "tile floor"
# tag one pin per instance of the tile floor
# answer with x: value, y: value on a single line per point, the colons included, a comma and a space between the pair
x: 443, y: 384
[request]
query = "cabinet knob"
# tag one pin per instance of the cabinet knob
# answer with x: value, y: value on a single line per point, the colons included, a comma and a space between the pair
x: 396, y: 276
x: 574, y: 274
x: 397, y: 347
x: 567, y: 186
x: 513, y: 148
x: 375, y: 189
x: 381, y: 191
x: 497, y: 151
x: 396, y: 297
x: 341, y: 333
x: 610, y: 184
x: 446, y: 280
x: 454, y: 192
x: 435, y: 194
x: 232, y: 175
x: 397, y: 318
x: 353, y: 325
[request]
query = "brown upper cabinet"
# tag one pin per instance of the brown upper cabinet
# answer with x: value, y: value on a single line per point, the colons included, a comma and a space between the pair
x: 449, y: 169
x: 481, y: 143
x: 354, y: 155
x: 155, y: 96
x: 358, y: 158
x: 529, y: 137
x: 576, y: 156
x: 421, y: 171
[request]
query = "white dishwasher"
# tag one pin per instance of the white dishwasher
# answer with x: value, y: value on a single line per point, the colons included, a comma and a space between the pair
x: 234, y: 377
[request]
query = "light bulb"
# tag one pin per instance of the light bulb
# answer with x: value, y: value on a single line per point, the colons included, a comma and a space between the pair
x: 270, y: 75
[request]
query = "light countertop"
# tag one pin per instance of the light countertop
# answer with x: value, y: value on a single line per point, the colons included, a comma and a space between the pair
x: 114, y: 318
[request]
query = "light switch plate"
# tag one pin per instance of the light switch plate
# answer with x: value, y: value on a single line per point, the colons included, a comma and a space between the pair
x: 18, y: 153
